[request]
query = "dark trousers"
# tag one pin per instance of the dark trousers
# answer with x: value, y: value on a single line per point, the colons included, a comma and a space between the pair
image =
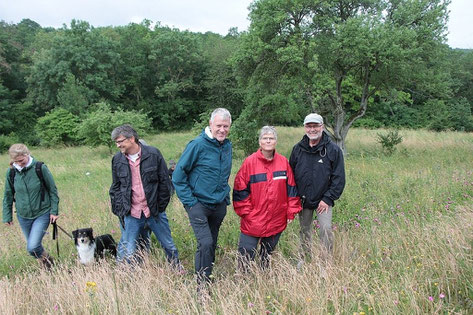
x: 205, y: 221
x: 247, y: 249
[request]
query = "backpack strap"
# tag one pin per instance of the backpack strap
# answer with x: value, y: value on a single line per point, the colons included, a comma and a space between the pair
x: 39, y: 173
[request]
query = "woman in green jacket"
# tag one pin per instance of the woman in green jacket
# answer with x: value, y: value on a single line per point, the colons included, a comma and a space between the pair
x: 36, y: 206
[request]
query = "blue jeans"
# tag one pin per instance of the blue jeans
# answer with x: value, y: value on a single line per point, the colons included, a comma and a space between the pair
x: 143, y: 241
x: 205, y: 221
x: 135, y: 235
x: 34, y: 230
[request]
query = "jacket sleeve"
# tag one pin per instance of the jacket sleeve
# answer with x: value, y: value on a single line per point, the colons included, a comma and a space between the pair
x: 114, y: 192
x: 293, y: 158
x: 242, y: 192
x: 180, y: 176
x: 337, y: 179
x: 52, y: 189
x: 164, y: 185
x: 7, y: 200
x: 293, y: 200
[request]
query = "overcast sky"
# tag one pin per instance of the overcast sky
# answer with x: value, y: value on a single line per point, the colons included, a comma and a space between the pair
x: 194, y: 15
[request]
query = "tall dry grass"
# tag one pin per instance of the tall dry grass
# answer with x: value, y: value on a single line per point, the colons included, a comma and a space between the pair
x: 398, y: 267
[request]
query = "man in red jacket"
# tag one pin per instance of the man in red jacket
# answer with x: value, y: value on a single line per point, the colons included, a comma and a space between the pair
x: 265, y: 198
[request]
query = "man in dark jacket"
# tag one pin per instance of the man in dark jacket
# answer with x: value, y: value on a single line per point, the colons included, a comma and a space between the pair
x: 201, y: 183
x: 319, y: 172
x: 140, y: 192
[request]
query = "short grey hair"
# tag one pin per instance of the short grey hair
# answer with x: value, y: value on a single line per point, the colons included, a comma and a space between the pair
x: 266, y: 130
x: 221, y: 112
x: 18, y: 149
x: 125, y: 130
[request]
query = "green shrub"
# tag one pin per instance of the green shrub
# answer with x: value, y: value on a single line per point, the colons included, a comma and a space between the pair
x: 389, y: 140
x: 461, y: 118
x: 454, y: 115
x: 244, y: 133
x: 58, y: 126
x: 202, y: 122
x: 6, y: 141
x: 97, y: 126
x: 24, y: 118
x: 367, y: 122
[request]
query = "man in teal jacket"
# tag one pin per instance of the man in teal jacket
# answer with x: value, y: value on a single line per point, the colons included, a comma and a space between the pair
x: 201, y: 183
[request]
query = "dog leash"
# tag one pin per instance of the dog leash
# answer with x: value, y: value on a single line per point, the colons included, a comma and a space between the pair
x: 55, y: 235
x: 56, y: 226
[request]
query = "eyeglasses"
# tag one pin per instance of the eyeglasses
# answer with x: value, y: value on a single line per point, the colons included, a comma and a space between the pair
x: 120, y: 141
x: 268, y: 139
x: 313, y: 126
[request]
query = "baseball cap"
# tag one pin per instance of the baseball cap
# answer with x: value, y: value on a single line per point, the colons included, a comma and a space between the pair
x: 313, y: 118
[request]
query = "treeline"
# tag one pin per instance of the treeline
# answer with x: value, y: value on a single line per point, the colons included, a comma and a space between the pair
x: 171, y: 76
x: 365, y: 64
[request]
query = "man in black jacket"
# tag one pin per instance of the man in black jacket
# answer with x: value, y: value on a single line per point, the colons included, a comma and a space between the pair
x: 139, y: 193
x: 319, y: 172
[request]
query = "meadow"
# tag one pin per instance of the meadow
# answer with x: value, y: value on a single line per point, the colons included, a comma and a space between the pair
x: 403, y: 240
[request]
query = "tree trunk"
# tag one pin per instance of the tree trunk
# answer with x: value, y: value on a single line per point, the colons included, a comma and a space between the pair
x: 338, y: 130
x: 341, y: 125
x: 339, y: 116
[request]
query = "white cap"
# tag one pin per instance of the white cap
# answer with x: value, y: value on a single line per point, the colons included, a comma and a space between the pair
x: 313, y: 118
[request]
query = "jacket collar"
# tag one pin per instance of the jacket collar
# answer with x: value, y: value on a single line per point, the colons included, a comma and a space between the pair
x: 25, y: 168
x: 207, y: 135
x: 145, y: 153
x: 304, y: 143
x: 260, y: 156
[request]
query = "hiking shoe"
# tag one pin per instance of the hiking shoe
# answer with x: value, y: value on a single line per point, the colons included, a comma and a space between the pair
x: 47, y: 262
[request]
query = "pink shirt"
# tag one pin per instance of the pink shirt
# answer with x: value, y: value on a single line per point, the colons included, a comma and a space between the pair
x: 138, y: 199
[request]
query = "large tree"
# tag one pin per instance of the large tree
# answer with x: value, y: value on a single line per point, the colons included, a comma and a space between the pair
x: 221, y: 88
x: 138, y: 75
x: 15, y: 114
x: 81, y: 59
x: 177, y: 63
x: 333, y: 56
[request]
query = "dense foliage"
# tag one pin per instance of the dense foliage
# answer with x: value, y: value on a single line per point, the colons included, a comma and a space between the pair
x: 97, y: 126
x: 381, y: 63
x: 57, y: 127
x: 340, y: 58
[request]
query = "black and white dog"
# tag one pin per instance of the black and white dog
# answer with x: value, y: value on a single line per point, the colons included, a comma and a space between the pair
x: 90, y: 249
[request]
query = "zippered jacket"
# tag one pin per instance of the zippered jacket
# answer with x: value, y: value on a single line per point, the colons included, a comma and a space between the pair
x: 202, y: 172
x: 154, y: 177
x: 27, y: 197
x: 319, y: 171
x: 265, y: 195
